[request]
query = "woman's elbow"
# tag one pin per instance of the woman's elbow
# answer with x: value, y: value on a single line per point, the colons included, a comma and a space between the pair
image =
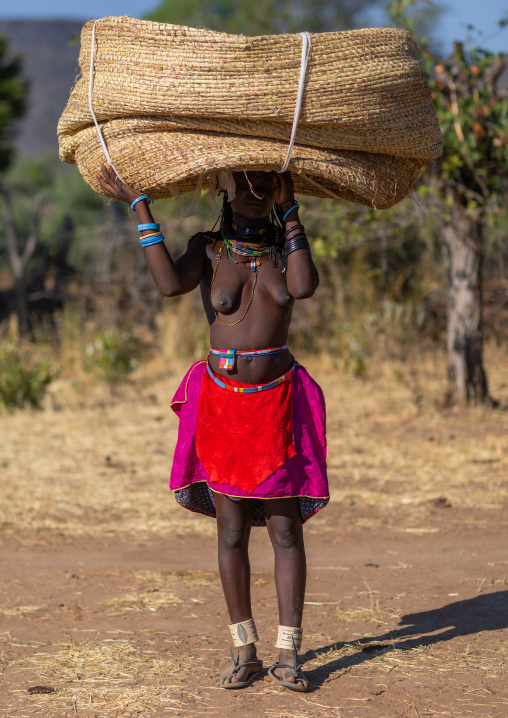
x: 171, y: 291
x: 303, y: 291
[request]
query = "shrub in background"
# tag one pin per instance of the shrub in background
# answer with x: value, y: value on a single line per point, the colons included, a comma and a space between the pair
x: 111, y: 354
x: 23, y: 380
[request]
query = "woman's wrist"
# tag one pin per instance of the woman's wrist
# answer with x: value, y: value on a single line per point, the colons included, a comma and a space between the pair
x: 287, y: 201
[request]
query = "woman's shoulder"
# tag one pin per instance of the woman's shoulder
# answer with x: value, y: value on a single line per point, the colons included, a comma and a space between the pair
x: 203, y: 238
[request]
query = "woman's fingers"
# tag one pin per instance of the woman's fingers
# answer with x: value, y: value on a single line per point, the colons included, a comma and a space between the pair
x: 105, y: 186
x: 105, y: 173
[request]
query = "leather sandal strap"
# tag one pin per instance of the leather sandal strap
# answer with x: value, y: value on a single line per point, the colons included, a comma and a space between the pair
x: 295, y: 669
x: 239, y: 666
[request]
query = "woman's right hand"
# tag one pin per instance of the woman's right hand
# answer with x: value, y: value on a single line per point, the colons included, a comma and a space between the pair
x: 113, y: 186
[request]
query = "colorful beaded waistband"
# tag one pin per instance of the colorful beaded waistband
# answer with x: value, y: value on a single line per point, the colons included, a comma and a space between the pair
x: 228, y: 356
x: 250, y: 390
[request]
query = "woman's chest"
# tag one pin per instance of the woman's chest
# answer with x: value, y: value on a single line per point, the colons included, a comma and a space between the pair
x: 231, y: 280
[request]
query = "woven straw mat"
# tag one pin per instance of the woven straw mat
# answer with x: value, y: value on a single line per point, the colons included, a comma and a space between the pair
x: 178, y: 104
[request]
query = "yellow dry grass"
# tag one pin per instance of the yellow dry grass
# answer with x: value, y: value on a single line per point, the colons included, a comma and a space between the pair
x: 10, y: 609
x: 104, y: 678
x: 151, y: 600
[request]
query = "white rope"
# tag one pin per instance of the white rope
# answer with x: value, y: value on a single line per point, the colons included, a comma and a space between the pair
x: 299, y: 97
x: 90, y: 88
x: 193, y: 206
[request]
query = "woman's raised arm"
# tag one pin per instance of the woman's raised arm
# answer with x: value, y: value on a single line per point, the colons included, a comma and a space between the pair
x: 172, y: 278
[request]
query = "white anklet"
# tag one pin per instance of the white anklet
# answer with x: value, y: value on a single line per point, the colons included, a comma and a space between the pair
x: 289, y: 637
x: 243, y: 633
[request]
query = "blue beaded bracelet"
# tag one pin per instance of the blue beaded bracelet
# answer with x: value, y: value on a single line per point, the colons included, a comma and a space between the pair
x: 138, y: 199
x: 148, y: 241
x: 295, y: 206
x: 150, y: 225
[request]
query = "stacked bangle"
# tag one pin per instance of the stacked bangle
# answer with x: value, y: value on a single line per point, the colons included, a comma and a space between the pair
x: 149, y: 225
x: 150, y: 239
x: 298, y: 242
x: 292, y: 229
x: 138, y: 199
x: 295, y: 206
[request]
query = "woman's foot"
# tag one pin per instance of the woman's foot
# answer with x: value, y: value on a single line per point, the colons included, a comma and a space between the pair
x: 287, y: 674
x: 238, y: 672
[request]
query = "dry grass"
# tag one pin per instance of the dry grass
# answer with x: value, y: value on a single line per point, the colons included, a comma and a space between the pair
x: 9, y: 609
x: 105, y: 678
x: 189, y: 578
x: 151, y: 600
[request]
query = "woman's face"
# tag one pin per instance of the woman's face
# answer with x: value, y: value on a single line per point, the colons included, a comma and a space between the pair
x: 254, y: 195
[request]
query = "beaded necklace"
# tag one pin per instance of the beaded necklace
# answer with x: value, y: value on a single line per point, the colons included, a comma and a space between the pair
x: 247, y: 231
x: 244, y: 249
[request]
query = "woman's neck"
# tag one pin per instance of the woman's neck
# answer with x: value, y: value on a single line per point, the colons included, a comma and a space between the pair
x: 244, y: 223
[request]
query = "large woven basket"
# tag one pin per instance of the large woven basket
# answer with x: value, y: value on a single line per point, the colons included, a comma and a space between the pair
x: 181, y: 107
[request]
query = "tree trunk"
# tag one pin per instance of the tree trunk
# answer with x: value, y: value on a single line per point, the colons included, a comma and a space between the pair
x: 22, y: 310
x: 464, y: 244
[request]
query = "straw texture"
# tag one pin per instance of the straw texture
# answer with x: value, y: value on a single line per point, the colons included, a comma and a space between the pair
x: 178, y: 104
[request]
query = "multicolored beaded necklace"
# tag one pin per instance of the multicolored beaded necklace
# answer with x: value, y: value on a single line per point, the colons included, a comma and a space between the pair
x: 253, y: 252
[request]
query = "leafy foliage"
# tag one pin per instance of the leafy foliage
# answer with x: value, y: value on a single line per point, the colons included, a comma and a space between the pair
x: 263, y: 16
x: 13, y: 94
x: 473, y: 117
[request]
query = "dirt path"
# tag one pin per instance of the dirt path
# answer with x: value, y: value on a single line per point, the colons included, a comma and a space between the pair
x: 109, y: 592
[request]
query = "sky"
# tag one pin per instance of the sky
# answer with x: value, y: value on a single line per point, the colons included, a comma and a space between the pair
x: 483, y: 14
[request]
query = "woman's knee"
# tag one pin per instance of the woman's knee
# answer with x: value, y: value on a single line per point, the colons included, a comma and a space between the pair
x: 287, y: 536
x: 233, y: 535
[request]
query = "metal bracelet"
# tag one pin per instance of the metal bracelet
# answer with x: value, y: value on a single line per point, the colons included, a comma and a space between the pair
x: 300, y: 242
x: 291, y: 229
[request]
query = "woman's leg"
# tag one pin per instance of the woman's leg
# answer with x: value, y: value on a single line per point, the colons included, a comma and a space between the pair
x: 286, y: 534
x: 233, y: 532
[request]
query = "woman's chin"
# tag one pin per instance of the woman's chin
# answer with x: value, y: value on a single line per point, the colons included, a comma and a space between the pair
x: 252, y: 213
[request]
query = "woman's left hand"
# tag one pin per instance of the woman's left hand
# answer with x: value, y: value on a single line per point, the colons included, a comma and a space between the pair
x: 285, y: 190
x: 113, y: 186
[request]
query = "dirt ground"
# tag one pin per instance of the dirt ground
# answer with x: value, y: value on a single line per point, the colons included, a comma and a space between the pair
x: 109, y: 592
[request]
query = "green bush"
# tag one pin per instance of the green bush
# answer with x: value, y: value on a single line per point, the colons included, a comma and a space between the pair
x: 111, y: 354
x: 23, y: 381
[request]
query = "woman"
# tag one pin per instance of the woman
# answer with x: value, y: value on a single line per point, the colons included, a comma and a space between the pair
x: 251, y: 448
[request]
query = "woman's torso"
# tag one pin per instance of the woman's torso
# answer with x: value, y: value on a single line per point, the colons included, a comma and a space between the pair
x: 264, y: 324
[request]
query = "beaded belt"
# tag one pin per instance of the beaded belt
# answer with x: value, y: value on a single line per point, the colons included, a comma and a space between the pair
x: 250, y: 390
x: 228, y: 356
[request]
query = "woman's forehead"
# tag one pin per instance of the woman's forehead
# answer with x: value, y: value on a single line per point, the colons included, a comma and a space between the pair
x: 253, y: 176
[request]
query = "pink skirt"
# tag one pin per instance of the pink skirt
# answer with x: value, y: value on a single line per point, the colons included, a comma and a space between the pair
x: 302, y: 475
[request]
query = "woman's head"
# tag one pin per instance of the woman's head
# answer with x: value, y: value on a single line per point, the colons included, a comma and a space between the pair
x: 254, y: 198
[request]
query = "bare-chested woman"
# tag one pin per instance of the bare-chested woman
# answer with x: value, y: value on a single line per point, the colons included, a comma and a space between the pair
x: 251, y: 448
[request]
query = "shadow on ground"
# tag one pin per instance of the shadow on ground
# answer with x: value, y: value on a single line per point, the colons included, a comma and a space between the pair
x: 488, y: 612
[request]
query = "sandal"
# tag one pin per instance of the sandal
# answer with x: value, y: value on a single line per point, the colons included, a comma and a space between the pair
x: 301, y: 688
x: 237, y: 666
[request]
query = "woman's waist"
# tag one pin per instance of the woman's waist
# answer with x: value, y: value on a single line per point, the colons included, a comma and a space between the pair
x: 252, y: 366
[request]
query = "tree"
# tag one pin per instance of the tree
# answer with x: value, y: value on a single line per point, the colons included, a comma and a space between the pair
x: 263, y: 16
x: 474, y: 121
x: 470, y: 181
x: 13, y: 94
